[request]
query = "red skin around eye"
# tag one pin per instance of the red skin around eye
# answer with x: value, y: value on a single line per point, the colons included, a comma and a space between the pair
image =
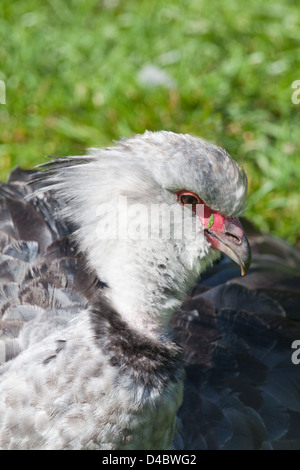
x: 218, y: 220
x: 225, y: 234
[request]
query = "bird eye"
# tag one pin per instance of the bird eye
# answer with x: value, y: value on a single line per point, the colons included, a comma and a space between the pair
x: 187, y: 199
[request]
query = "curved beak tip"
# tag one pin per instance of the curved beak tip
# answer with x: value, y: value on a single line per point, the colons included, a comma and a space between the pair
x: 233, y: 242
x: 245, y: 257
x: 243, y: 271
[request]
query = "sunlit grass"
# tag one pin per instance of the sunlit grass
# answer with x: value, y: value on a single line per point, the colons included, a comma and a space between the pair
x: 71, y: 72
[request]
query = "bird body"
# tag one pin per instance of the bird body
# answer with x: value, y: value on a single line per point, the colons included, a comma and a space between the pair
x: 65, y: 392
x: 97, y: 351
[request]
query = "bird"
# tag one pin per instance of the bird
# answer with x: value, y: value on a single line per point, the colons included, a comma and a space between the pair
x: 125, y: 321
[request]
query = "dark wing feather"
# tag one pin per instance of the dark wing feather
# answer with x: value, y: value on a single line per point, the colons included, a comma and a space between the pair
x: 39, y: 272
x: 236, y: 334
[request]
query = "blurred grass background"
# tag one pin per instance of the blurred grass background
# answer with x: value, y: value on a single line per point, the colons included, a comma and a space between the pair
x: 82, y: 73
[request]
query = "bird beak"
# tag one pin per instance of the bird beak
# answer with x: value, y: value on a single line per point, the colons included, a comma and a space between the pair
x: 229, y: 237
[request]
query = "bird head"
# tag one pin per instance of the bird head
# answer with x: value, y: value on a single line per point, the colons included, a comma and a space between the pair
x: 155, y: 210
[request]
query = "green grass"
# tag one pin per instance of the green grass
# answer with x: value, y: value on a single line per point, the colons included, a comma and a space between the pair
x: 70, y: 69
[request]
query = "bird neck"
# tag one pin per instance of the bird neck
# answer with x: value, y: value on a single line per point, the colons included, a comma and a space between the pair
x: 145, y: 284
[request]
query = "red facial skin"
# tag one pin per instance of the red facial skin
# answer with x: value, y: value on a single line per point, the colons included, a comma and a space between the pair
x: 218, y: 219
x: 225, y: 234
